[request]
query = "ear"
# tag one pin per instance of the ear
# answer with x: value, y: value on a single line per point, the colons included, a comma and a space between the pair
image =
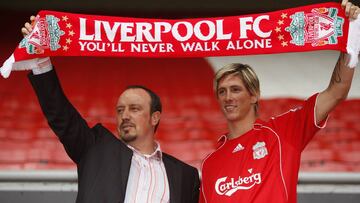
x: 254, y: 99
x: 155, y: 118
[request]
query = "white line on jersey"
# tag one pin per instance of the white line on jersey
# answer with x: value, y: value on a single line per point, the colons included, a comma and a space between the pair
x: 239, y: 147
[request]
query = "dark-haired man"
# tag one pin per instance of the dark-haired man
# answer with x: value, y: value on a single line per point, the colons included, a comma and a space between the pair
x: 132, y: 169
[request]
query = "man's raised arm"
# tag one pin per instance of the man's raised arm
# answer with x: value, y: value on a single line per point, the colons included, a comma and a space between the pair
x: 341, y: 78
x: 62, y: 117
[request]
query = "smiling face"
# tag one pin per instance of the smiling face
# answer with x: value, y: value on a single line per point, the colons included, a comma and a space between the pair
x: 235, y: 100
x: 134, y: 121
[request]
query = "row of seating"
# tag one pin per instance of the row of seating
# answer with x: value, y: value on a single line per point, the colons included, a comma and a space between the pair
x: 191, y: 121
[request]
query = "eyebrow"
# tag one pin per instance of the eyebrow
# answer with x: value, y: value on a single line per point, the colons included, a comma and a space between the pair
x: 229, y: 86
x: 131, y: 105
x: 135, y: 105
x: 236, y: 86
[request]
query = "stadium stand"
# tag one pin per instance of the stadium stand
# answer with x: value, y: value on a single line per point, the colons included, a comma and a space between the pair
x: 191, y: 121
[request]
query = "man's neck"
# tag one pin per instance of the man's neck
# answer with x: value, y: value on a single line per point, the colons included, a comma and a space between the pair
x: 240, y: 127
x: 147, y: 147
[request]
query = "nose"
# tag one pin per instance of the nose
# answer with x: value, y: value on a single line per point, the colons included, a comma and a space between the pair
x: 125, y: 115
x: 228, y: 96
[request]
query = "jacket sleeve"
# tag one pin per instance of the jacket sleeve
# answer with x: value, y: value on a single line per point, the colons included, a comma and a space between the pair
x: 62, y: 117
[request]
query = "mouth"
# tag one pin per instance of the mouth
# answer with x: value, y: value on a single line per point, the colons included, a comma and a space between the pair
x: 229, y: 108
x: 126, y: 127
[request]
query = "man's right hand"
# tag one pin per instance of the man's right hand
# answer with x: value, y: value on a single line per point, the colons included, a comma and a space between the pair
x: 28, y: 26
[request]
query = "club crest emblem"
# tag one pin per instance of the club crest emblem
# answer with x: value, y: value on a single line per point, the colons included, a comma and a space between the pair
x: 45, y: 35
x: 320, y: 27
x: 259, y: 150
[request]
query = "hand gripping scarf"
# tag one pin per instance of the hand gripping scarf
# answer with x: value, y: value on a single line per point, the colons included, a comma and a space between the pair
x: 308, y: 28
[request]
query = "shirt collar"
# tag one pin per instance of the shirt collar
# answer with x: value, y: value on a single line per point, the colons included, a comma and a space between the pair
x: 157, y: 154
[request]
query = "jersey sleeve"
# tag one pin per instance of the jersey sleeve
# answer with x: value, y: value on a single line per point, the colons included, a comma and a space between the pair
x: 298, y: 126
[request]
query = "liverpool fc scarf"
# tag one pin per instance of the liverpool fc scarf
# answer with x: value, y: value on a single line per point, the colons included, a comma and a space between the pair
x: 308, y: 28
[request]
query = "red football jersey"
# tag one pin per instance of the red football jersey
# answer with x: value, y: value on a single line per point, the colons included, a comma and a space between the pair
x: 261, y: 165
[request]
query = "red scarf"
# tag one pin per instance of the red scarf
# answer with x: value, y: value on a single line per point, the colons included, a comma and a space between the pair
x: 308, y: 28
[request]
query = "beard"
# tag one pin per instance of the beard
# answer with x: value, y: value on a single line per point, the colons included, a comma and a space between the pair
x: 127, y: 135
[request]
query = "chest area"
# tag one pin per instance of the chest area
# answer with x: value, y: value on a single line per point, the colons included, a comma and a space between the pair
x: 259, y: 146
x: 245, y: 160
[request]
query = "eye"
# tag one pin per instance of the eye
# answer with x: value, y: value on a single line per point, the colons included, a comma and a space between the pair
x: 134, y: 109
x: 120, y: 110
x: 236, y: 89
x: 221, y: 92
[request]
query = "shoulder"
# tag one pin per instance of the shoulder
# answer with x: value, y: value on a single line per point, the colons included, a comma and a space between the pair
x: 101, y: 132
x: 104, y: 135
x: 299, y: 106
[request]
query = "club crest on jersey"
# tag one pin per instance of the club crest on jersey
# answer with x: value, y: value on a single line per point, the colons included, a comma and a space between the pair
x: 259, y: 150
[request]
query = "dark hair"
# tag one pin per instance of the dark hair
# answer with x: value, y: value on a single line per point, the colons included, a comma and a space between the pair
x: 155, y: 102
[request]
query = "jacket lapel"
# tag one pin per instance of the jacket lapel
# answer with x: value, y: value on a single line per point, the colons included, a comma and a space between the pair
x: 174, y: 175
x: 124, y: 156
x: 125, y: 162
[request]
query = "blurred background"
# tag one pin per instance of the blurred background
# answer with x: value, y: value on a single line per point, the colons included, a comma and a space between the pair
x: 35, y: 168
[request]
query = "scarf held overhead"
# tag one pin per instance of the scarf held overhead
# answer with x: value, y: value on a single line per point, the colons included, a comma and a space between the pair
x: 308, y: 28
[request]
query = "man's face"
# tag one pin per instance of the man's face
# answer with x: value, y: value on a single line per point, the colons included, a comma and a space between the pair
x: 235, y: 100
x: 133, y: 115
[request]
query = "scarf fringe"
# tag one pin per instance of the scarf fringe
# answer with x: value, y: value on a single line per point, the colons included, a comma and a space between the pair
x: 10, y: 65
x: 353, y: 42
x: 5, y: 70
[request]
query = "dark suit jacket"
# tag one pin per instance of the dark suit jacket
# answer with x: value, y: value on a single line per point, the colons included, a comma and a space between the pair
x: 103, y: 161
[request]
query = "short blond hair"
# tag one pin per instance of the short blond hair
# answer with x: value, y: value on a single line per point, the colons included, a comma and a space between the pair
x: 246, y: 74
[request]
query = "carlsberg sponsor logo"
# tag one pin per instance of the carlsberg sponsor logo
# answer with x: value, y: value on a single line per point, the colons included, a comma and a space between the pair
x: 225, y: 186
